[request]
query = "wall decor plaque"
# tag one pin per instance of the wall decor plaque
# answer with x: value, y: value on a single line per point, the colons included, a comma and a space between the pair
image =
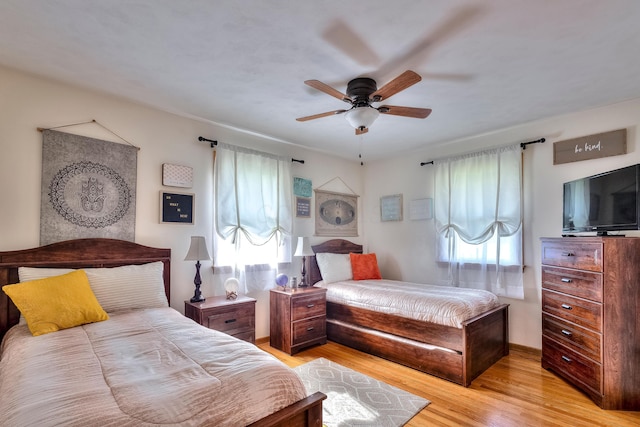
x: 177, y: 175
x: 391, y: 208
x: 336, y: 214
x: 176, y: 208
x: 590, y: 147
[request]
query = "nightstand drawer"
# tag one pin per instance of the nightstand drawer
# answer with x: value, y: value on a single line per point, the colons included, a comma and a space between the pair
x: 309, y: 306
x: 232, y: 321
x: 577, y: 310
x: 234, y: 317
x: 582, y: 340
x: 307, y: 330
x: 584, y: 284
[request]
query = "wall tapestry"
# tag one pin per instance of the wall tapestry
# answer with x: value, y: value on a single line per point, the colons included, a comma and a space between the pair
x: 336, y: 214
x: 88, y: 188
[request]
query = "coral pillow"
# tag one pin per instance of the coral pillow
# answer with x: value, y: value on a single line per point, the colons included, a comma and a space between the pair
x: 364, y: 266
x: 56, y: 303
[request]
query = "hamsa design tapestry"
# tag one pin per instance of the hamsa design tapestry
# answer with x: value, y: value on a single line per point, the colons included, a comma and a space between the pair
x: 88, y: 188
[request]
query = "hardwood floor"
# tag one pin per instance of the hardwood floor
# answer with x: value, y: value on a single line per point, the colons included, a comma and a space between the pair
x: 516, y: 391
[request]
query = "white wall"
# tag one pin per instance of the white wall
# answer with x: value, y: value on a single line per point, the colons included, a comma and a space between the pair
x: 406, y: 249
x: 28, y: 102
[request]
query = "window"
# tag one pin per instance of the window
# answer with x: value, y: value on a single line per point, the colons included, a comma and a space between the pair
x: 478, y: 218
x: 252, y: 213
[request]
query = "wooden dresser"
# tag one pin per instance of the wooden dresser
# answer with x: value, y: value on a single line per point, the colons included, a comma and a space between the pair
x: 236, y: 317
x: 298, y: 318
x: 591, y: 316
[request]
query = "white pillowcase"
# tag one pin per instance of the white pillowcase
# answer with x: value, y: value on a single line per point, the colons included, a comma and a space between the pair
x: 334, y: 267
x: 116, y: 288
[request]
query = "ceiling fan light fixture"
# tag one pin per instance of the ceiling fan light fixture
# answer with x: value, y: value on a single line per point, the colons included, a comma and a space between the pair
x: 361, y: 117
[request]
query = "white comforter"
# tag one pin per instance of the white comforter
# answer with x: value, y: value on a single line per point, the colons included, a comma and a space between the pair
x: 437, y: 304
x: 139, y: 368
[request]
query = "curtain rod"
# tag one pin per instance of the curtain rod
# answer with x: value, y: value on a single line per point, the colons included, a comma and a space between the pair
x: 523, y: 145
x: 214, y: 143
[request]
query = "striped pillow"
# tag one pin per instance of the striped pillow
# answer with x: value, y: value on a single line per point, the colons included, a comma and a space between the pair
x: 117, y: 288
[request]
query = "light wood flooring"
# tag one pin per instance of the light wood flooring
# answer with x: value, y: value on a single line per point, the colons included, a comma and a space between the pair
x: 516, y: 391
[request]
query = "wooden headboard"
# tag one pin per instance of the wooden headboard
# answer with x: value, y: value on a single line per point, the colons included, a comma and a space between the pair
x: 335, y: 246
x: 81, y: 253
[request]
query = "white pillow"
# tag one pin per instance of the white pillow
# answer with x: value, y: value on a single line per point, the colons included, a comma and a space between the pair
x: 334, y: 267
x: 116, y: 288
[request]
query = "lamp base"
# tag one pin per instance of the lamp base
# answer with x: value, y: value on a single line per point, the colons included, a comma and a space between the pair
x: 199, y: 298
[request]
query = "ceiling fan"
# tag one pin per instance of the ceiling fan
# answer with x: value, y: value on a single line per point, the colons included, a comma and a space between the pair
x: 362, y: 92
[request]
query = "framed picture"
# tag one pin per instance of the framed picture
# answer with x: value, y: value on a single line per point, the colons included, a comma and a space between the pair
x: 301, y: 187
x: 391, y: 208
x: 177, y: 175
x: 420, y: 209
x: 176, y: 207
x: 336, y: 214
x: 303, y: 207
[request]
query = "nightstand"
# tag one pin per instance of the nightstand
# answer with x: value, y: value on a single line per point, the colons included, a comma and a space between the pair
x: 298, y: 318
x: 236, y: 317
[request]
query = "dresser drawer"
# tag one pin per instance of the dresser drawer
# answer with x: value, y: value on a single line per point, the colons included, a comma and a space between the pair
x: 574, y: 254
x: 583, y: 284
x: 233, y: 321
x: 571, y: 365
x: 307, y: 330
x: 309, y: 306
x: 583, y: 341
x: 577, y: 310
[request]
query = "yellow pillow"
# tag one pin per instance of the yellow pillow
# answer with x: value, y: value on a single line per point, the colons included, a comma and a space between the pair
x: 55, y: 303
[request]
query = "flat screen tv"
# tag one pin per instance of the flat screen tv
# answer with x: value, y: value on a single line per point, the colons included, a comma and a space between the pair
x: 602, y: 203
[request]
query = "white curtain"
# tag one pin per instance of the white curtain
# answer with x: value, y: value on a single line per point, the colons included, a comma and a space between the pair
x: 478, y: 218
x: 252, y: 215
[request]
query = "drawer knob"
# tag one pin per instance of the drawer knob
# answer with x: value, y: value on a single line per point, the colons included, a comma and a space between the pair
x: 566, y: 359
x: 230, y: 321
x: 567, y: 307
x: 568, y: 254
x: 310, y: 305
x: 567, y: 333
x: 565, y: 280
x: 310, y: 329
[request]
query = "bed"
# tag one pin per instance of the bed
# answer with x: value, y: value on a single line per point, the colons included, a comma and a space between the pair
x: 455, y: 353
x: 143, y: 366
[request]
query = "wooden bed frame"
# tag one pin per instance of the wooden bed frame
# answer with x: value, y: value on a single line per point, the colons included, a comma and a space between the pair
x: 457, y: 355
x: 97, y: 253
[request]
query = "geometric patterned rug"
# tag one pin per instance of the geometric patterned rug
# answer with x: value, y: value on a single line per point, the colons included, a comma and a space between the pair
x: 354, y: 399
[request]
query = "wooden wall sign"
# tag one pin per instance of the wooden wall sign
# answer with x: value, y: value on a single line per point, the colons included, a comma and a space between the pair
x: 590, y: 147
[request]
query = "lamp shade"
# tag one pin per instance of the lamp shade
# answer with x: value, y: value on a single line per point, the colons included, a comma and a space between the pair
x: 361, y: 117
x: 197, y: 250
x: 304, y: 247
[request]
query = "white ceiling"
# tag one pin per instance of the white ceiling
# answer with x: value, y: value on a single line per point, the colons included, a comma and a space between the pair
x: 485, y: 65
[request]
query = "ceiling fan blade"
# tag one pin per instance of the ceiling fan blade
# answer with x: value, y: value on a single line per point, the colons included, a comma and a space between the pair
x: 360, y: 131
x: 403, y: 81
x: 323, y: 87
x: 317, y: 116
x: 344, y: 39
x: 417, y: 113
x: 416, y: 54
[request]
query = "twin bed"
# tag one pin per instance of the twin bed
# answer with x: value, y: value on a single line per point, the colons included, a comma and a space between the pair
x: 146, y: 365
x: 457, y: 349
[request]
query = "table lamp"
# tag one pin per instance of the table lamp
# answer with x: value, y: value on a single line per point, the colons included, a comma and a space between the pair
x: 304, y: 250
x: 197, y: 251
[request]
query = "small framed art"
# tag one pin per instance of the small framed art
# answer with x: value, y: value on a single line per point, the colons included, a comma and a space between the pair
x: 391, y: 208
x: 176, y: 207
x: 303, y: 207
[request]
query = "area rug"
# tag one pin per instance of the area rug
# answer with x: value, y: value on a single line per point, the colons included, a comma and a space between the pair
x: 354, y: 399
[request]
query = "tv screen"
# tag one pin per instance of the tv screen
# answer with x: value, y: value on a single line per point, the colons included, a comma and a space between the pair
x: 601, y: 203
